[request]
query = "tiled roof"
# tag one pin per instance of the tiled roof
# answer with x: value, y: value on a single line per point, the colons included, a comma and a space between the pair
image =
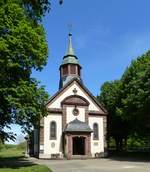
x: 77, y: 126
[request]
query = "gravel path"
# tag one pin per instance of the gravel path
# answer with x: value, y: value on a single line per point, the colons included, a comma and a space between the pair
x: 95, y: 165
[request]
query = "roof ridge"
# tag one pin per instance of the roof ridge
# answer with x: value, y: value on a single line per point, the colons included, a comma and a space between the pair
x: 82, y: 86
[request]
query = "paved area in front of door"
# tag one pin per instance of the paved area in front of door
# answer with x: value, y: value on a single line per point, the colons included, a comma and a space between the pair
x: 95, y: 165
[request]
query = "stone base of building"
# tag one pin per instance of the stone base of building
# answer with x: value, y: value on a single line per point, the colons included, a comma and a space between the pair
x: 51, y: 156
x: 61, y: 156
x: 100, y: 155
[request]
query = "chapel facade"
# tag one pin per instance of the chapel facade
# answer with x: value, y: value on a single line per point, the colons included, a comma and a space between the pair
x: 76, y: 123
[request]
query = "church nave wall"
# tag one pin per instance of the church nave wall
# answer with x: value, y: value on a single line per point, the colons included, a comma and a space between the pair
x: 52, y: 146
x: 97, y: 145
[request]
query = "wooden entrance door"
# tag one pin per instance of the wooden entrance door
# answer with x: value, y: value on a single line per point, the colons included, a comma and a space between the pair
x: 78, y: 145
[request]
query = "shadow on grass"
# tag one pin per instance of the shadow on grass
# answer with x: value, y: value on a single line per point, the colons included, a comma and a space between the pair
x: 15, y: 162
x: 130, y: 156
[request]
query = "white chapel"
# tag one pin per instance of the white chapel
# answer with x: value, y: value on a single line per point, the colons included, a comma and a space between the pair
x: 75, y: 126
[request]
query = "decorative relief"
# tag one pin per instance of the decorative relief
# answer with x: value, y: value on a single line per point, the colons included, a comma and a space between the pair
x: 52, y: 145
x: 75, y: 91
x: 95, y: 143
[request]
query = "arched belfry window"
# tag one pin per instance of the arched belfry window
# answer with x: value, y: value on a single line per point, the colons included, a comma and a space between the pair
x: 95, y: 131
x: 53, y: 131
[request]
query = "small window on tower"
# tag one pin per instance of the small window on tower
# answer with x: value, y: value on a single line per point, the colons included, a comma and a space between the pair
x: 72, y: 69
x: 65, y: 70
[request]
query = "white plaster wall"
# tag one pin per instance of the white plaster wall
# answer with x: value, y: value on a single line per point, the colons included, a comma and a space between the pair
x: 97, y: 146
x: 71, y: 117
x: 48, y: 149
x: 68, y: 92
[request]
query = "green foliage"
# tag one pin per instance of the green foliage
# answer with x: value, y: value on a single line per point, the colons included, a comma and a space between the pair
x: 136, y: 95
x: 117, y: 127
x: 10, y: 150
x: 135, y: 142
x: 1, y: 146
x: 22, y: 146
x: 36, y: 9
x: 9, y: 146
x: 29, y: 109
x: 128, y: 101
x: 23, y: 48
x: 12, y: 160
x: 110, y: 95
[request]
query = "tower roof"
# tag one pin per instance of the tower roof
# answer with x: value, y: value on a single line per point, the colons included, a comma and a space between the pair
x: 70, y: 57
x: 70, y: 50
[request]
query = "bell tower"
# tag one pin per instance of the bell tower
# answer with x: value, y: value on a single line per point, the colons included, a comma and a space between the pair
x: 70, y: 67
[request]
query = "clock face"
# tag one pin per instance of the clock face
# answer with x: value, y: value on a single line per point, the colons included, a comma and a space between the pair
x: 75, y: 112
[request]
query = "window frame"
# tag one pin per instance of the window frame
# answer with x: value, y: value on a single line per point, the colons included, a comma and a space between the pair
x: 95, y: 131
x: 53, y: 136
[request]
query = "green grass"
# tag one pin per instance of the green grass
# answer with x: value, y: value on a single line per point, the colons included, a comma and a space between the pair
x: 35, y: 168
x: 12, y: 160
x: 11, y: 151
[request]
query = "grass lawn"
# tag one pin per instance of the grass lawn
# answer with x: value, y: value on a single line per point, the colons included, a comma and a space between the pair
x: 12, y: 160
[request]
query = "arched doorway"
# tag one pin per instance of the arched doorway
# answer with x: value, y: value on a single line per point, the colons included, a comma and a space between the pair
x: 78, y: 145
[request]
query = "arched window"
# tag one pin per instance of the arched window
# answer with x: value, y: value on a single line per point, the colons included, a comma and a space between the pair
x: 95, y: 131
x: 53, y: 130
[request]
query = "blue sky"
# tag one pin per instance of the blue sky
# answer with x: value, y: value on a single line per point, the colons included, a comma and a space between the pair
x: 107, y: 35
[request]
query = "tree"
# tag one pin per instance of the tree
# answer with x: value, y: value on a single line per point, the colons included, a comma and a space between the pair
x: 136, y: 97
x: 110, y: 96
x: 36, y: 9
x: 128, y: 102
x: 23, y: 48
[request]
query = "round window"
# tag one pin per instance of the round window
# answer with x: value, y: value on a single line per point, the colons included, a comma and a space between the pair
x: 75, y: 112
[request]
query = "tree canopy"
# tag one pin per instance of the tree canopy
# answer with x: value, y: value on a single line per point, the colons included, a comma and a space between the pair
x: 136, y: 95
x: 23, y: 47
x: 128, y: 101
x: 118, y: 127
